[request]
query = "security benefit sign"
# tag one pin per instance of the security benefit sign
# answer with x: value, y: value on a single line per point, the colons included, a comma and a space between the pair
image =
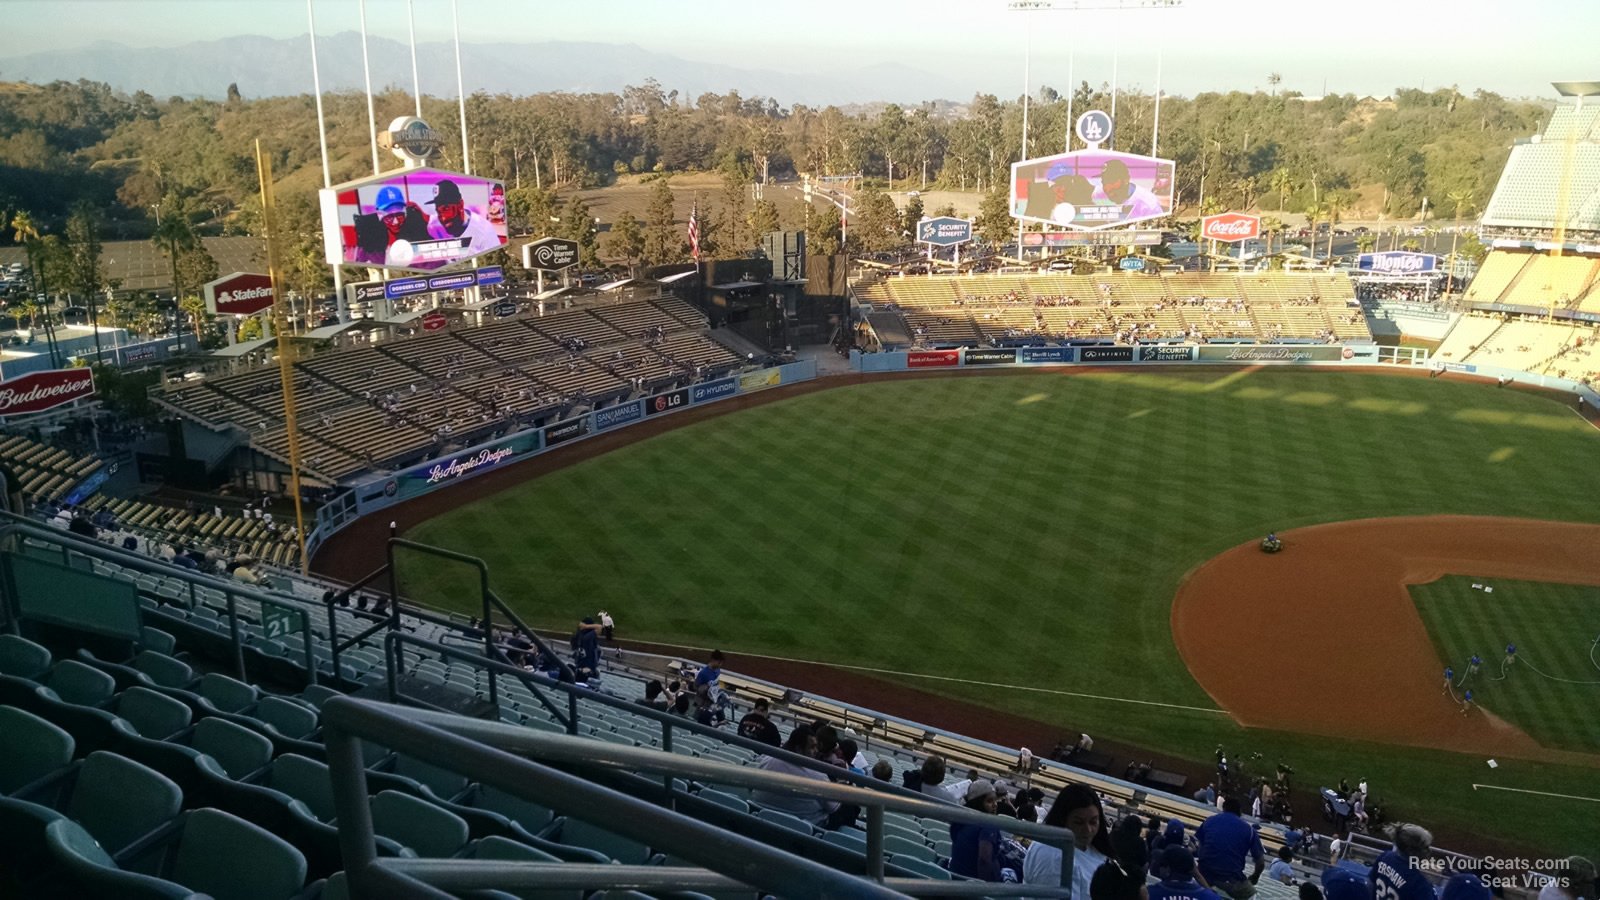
x: 421, y: 219
x: 1088, y: 190
x: 944, y: 231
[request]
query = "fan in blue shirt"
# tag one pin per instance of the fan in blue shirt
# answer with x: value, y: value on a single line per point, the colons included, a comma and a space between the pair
x: 1225, y: 840
x: 1396, y: 876
x: 1175, y: 867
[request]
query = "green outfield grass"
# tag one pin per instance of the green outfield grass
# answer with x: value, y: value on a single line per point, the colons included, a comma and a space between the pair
x: 1553, y: 690
x: 1022, y: 530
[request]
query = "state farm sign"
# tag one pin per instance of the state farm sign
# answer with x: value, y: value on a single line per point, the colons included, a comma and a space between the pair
x: 1230, y: 227
x: 239, y: 294
x: 39, y: 391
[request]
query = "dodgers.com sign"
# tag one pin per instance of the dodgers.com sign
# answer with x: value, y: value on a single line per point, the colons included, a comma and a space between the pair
x: 944, y: 231
x: 406, y: 287
x: 1398, y: 262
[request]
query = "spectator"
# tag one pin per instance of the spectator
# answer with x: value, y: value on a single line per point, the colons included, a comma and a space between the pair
x: 1207, y: 795
x: 1027, y: 804
x: 1281, y: 870
x: 680, y: 704
x: 586, y: 649
x: 82, y: 526
x: 757, y: 726
x: 975, y: 849
x: 1077, y: 809
x: 883, y: 771
x: 1397, y: 875
x: 1309, y: 891
x: 853, y: 760
x: 652, y: 695
x: 802, y: 740
x: 828, y: 745
x: 1175, y: 868
x: 1339, y: 883
x: 1225, y: 840
x: 929, y: 779
x: 1467, y: 886
x: 244, y: 575
x: 607, y: 626
x: 705, y: 711
x: 1111, y: 882
x: 1573, y: 880
x: 710, y: 674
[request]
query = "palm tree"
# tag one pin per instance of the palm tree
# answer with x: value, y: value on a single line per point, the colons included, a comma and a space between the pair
x: 1283, y: 182
x: 1314, y: 212
x: 1460, y: 198
x: 173, y: 235
x: 1365, y: 242
x: 1270, y: 225
x: 26, y: 233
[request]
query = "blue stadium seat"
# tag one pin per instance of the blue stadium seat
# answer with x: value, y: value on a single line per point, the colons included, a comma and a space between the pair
x: 787, y: 821
x: 164, y: 670
x: 624, y: 850
x: 87, y: 865
x: 77, y: 683
x: 227, y: 694
x: 413, y: 822
x: 22, y: 657
x: 23, y: 859
x: 231, y: 859
x: 118, y: 801
x: 153, y: 715
x: 240, y: 751
x: 31, y: 749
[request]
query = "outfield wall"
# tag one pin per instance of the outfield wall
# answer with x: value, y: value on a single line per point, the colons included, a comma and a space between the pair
x: 387, y: 490
x: 1109, y: 355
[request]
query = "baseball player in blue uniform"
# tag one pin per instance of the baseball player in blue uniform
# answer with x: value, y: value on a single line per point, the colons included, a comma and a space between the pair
x: 1466, y: 704
x: 1449, y: 679
x: 1473, y: 664
x: 1511, y: 654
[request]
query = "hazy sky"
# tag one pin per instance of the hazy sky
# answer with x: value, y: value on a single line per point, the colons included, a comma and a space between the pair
x: 1359, y: 46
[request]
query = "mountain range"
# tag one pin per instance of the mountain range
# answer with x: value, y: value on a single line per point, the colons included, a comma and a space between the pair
x: 265, y: 67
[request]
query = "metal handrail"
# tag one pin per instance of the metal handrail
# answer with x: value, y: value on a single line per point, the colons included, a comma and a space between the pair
x: 10, y: 524
x: 478, y: 749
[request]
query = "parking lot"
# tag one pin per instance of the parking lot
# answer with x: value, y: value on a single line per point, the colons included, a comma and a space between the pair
x: 142, y: 266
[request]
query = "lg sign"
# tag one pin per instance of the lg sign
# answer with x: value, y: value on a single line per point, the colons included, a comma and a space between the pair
x: 1230, y: 227
x: 239, y: 294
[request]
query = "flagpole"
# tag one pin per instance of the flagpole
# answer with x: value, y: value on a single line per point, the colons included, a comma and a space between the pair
x: 461, y: 92
x: 327, y: 180
x: 366, y: 71
x: 416, y: 81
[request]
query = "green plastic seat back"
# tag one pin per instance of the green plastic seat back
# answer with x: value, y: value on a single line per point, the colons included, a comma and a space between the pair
x: 444, y: 783
x: 82, y: 684
x: 22, y: 848
x: 155, y: 716
x: 232, y: 859
x: 496, y: 847
x: 318, y: 694
x: 432, y: 831
x: 22, y: 657
x: 31, y: 748
x: 157, y: 640
x: 163, y: 669
x: 305, y: 780
x: 289, y: 718
x: 119, y: 801
x: 227, y: 694
x: 627, y: 851
x: 526, y: 813
x: 87, y: 864
x: 239, y: 750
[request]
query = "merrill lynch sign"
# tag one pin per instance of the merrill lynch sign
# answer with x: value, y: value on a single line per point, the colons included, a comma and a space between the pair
x: 463, y: 465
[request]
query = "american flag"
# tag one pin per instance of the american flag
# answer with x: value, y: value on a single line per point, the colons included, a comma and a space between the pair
x: 694, y: 231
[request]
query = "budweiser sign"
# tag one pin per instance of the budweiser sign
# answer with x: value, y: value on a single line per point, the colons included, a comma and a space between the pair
x: 39, y: 391
x: 1230, y: 227
x: 239, y: 294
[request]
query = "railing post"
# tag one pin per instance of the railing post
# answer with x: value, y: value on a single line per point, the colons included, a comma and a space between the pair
x: 193, y: 602
x: 875, y: 843
x: 305, y: 640
x: 357, y: 846
x: 233, y: 632
x: 333, y: 642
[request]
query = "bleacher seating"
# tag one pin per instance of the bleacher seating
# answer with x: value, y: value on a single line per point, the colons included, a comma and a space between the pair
x: 1469, y: 333
x: 122, y: 772
x: 1552, y: 281
x: 950, y: 310
x: 44, y: 473
x: 379, y: 405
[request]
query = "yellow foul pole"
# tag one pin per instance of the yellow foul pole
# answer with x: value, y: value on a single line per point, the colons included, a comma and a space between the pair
x: 285, y: 347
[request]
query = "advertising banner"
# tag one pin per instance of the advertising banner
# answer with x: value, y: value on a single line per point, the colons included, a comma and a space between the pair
x: 1165, y: 354
x: 1248, y: 353
x: 561, y: 432
x: 1230, y: 227
x: 431, y: 475
x: 756, y: 381
x: 1397, y: 262
x: 987, y: 357
x: 1046, y: 355
x: 413, y: 219
x: 612, y: 416
x: 944, y: 231
x: 239, y: 294
x: 1090, y: 238
x: 1105, y: 354
x: 366, y: 291
x: 713, y: 390
x: 1131, y: 264
x: 39, y: 391
x: 407, y: 287
x: 1087, y: 190
x: 550, y: 254
x: 667, y: 402
x: 929, y: 359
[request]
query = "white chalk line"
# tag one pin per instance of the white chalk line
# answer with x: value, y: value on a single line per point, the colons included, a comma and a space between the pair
x: 1496, y: 787
x: 994, y: 684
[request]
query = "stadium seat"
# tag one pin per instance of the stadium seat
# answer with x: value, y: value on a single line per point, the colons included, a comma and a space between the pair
x: 305, y: 780
x: 848, y: 838
x: 426, y: 828
x: 119, y: 801
x: 23, y: 856
x: 153, y: 715
x: 902, y: 848
x: 784, y: 819
x: 724, y: 799
x: 287, y: 717
x: 157, y: 640
x: 87, y: 865
x: 31, y: 748
x: 77, y: 683
x: 526, y: 813
x: 441, y: 783
x: 923, y: 867
x: 231, y: 859
x: 624, y: 850
x: 240, y: 751
x: 164, y: 670
x: 22, y: 657
x: 227, y: 694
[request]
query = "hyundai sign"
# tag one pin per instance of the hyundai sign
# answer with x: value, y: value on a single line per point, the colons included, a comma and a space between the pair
x: 944, y: 231
x: 421, y: 219
x: 1398, y: 262
x: 1088, y: 190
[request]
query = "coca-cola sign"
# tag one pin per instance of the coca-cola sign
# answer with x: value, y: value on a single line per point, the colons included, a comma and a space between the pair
x: 39, y: 391
x: 239, y: 294
x: 1230, y: 227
